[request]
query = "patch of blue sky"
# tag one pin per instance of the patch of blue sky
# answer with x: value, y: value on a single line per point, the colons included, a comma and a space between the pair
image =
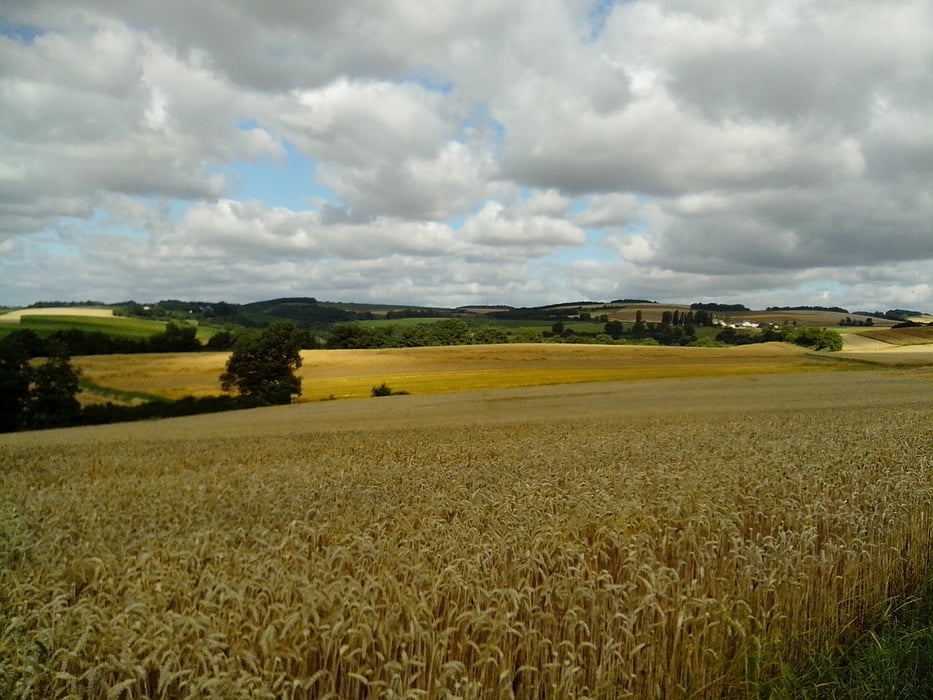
x: 595, y: 248
x: 480, y: 118
x: 429, y: 80
x: 289, y: 182
x: 578, y: 206
x: 552, y: 280
x: 22, y: 32
x: 598, y: 14
x: 825, y: 290
x: 69, y: 235
x: 455, y: 223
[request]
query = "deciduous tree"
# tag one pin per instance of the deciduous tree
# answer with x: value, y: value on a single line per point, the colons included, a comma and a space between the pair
x: 262, y: 366
x: 53, y: 390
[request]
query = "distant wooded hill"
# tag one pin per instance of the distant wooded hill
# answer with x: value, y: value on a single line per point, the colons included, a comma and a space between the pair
x: 311, y: 314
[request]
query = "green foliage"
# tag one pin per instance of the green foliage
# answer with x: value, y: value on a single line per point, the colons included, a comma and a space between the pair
x: 105, y: 336
x: 175, y: 338
x: 819, y: 339
x: 527, y: 335
x: 116, y: 326
x: 490, y: 335
x: 382, y: 390
x: 14, y: 385
x: 224, y: 340
x: 614, y: 329
x: 40, y: 396
x: 891, y: 660
x: 815, y: 338
x: 189, y: 405
x: 53, y: 390
x: 262, y: 366
x: 708, y: 342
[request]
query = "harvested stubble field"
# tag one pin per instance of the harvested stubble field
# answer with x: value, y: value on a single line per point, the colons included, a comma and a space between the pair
x: 662, y: 538
x: 922, y: 335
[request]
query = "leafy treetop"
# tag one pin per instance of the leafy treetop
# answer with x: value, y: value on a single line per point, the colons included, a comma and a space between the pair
x: 262, y: 366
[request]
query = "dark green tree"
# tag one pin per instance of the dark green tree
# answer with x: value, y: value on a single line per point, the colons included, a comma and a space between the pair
x: 614, y: 329
x: 14, y: 386
x: 224, y: 340
x: 819, y: 339
x: 350, y: 335
x: 639, y: 328
x: 450, y: 331
x: 489, y: 335
x: 262, y: 367
x: 175, y: 338
x: 53, y: 390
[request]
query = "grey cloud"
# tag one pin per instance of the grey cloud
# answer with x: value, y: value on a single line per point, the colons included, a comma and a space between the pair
x: 718, y: 146
x: 492, y: 226
x: 851, y: 224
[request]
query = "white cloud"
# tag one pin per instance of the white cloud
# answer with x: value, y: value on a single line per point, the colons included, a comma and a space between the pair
x: 717, y: 148
x: 535, y: 234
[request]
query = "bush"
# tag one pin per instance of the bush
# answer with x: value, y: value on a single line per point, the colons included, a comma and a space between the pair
x: 385, y: 390
x: 382, y: 390
x: 819, y: 339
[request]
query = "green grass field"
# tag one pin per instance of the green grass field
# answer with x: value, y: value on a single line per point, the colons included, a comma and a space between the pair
x: 117, y: 326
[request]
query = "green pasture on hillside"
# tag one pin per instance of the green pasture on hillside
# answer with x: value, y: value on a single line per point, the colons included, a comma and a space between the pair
x: 116, y: 326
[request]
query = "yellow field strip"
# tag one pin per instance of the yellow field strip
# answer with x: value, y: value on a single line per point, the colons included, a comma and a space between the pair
x: 17, y: 315
x: 353, y: 373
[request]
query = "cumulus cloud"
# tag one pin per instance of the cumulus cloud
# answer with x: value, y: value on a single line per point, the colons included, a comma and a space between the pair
x: 534, y: 234
x: 475, y: 152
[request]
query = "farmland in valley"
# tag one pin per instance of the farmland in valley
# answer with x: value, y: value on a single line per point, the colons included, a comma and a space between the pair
x: 641, y: 538
x: 353, y: 373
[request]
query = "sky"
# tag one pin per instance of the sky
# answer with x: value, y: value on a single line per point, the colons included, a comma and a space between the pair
x: 432, y: 152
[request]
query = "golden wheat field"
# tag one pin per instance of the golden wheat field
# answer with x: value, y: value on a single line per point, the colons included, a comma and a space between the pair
x: 648, y: 539
x: 430, y: 370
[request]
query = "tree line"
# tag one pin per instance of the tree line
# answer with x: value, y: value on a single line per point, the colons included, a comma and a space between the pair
x: 36, y: 394
x: 177, y: 337
x: 813, y: 338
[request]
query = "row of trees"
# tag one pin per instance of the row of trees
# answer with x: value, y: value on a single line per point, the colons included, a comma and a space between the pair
x: 814, y: 338
x: 177, y: 337
x: 43, y: 394
x: 450, y: 331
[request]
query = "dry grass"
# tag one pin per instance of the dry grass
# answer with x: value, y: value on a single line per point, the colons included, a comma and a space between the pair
x: 902, y: 336
x: 571, y: 550
x: 171, y: 375
x: 353, y: 373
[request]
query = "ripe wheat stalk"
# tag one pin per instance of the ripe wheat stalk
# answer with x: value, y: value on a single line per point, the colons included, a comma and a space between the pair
x: 654, y: 559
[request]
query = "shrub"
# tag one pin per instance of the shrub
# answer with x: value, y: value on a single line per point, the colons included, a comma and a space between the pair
x: 382, y: 390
